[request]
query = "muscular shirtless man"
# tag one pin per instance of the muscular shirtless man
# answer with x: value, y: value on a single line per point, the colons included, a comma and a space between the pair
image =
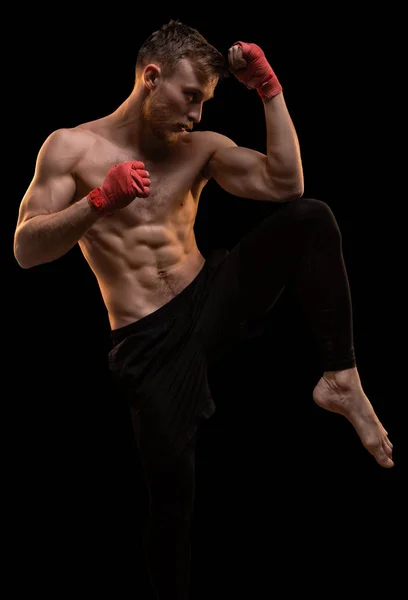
x: 126, y: 188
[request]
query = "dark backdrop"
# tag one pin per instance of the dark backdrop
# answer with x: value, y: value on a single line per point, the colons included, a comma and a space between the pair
x: 288, y: 501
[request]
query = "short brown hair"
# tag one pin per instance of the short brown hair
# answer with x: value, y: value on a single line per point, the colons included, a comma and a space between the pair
x: 174, y: 41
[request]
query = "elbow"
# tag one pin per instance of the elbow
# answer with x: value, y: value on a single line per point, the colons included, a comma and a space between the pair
x: 286, y: 186
x: 18, y: 254
x: 26, y: 258
x: 23, y: 258
x: 287, y: 183
x: 294, y: 194
x: 295, y: 187
x: 291, y: 191
x: 24, y: 265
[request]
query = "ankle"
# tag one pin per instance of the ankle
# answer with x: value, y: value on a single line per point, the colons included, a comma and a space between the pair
x: 344, y: 378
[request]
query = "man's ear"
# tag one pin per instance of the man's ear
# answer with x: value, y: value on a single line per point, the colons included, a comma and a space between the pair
x: 151, y: 76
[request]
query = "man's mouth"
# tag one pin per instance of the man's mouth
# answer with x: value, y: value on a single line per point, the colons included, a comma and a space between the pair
x: 182, y: 127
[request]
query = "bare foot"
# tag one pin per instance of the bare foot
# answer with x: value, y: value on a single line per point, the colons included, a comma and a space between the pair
x: 341, y: 392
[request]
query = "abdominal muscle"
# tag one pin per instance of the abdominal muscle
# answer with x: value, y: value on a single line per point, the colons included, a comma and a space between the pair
x: 142, y: 267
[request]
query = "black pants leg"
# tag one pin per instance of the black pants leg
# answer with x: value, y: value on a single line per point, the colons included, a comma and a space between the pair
x: 167, y: 531
x: 298, y: 245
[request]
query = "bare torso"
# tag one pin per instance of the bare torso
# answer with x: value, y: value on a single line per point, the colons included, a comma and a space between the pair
x: 145, y: 254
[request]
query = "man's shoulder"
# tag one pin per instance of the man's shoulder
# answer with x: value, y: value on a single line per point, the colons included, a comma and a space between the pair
x: 69, y: 136
x: 212, y: 140
x: 69, y: 141
x: 209, y: 143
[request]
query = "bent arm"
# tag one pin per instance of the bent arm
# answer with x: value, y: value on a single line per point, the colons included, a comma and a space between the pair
x: 276, y: 176
x: 48, y: 224
x: 44, y: 238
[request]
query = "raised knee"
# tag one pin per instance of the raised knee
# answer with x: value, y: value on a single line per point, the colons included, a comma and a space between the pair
x: 307, y: 206
x: 311, y: 209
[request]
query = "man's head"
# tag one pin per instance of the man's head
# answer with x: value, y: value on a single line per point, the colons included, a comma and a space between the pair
x: 179, y: 70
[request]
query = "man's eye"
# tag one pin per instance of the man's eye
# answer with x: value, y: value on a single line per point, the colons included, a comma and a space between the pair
x: 189, y: 97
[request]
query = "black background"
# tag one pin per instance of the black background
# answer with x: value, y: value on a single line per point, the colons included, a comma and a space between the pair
x: 288, y: 501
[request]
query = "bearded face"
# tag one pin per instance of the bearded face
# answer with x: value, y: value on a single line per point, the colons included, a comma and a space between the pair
x: 161, y: 114
x: 176, y: 103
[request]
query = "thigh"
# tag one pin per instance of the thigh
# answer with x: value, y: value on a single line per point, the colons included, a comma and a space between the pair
x: 253, y: 275
x: 272, y: 253
x: 221, y: 319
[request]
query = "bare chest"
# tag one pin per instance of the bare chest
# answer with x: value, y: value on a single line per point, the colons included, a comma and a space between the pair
x: 174, y: 182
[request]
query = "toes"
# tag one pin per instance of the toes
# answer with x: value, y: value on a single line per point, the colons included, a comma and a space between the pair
x: 381, y: 451
x: 383, y: 456
x: 387, y: 449
x: 387, y: 445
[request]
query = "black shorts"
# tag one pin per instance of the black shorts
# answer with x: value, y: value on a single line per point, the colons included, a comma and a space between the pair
x: 160, y: 362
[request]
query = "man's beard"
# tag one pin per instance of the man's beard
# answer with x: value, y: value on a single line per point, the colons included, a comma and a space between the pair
x: 158, y: 117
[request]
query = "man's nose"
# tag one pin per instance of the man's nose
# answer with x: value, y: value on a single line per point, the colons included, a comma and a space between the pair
x: 194, y: 114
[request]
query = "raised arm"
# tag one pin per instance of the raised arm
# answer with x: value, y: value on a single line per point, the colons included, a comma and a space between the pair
x: 49, y: 224
x: 278, y: 175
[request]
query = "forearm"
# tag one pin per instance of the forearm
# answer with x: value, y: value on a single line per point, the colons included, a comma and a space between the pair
x: 45, y: 238
x: 283, y: 152
x: 283, y: 162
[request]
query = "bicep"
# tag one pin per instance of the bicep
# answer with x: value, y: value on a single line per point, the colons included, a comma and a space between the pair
x: 46, y: 196
x: 242, y: 172
x: 53, y: 186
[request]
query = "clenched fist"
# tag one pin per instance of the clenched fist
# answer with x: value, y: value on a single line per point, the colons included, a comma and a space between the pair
x: 123, y: 183
x: 249, y: 65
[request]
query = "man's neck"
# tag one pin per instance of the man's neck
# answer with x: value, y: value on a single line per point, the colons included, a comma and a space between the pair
x: 133, y: 131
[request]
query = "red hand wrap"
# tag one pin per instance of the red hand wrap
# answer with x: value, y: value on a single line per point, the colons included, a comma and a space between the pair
x: 98, y: 201
x: 258, y: 71
x: 122, y: 184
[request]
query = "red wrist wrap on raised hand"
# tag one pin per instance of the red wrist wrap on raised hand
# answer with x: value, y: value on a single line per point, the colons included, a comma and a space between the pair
x: 258, y: 71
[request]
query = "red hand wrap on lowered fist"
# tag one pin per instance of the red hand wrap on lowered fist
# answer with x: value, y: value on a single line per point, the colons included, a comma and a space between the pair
x: 258, y: 71
x: 123, y: 183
